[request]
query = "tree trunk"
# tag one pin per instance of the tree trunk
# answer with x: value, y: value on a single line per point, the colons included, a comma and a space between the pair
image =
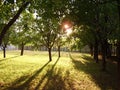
x: 59, y: 51
x: 96, y: 51
x: 118, y: 63
x: 4, y: 52
x: 22, y: 49
x: 103, y: 47
x: 96, y: 32
x: 91, y: 50
x: 7, y: 26
x: 109, y: 50
x: 118, y: 3
x: 50, y: 56
x: 119, y: 72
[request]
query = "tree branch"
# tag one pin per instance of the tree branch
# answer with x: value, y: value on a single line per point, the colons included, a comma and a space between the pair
x: 11, y: 22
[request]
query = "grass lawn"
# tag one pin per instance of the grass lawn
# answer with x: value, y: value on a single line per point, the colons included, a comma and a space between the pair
x: 73, y: 71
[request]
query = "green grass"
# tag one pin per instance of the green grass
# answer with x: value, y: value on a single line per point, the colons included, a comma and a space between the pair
x: 73, y: 71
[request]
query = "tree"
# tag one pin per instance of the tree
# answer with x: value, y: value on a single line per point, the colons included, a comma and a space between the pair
x: 5, y: 42
x: 85, y: 36
x: 63, y: 30
x: 8, y: 25
x: 47, y: 32
x: 85, y: 13
x: 96, y: 15
x: 22, y: 33
x: 5, y: 15
x: 107, y: 24
x: 48, y: 22
x: 118, y: 47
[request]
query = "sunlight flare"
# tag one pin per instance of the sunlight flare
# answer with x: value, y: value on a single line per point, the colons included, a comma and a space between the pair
x: 66, y: 26
x: 69, y: 31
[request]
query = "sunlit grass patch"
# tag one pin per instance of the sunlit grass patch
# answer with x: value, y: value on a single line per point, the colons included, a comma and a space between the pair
x: 72, y: 71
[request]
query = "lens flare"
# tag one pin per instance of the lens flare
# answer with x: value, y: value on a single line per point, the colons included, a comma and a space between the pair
x: 69, y: 31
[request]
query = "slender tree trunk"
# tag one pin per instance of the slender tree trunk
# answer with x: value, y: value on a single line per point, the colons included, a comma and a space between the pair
x: 118, y: 2
x: 118, y: 63
x: 96, y: 51
x: 103, y: 47
x: 4, y: 52
x: 96, y: 32
x: 59, y: 51
x: 10, y: 23
x: 91, y: 50
x: 104, y: 42
x: 22, y: 49
x: 119, y: 73
x: 50, y: 56
x: 109, y: 50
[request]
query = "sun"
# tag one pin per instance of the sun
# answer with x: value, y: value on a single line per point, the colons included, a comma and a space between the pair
x: 66, y: 26
x: 68, y: 29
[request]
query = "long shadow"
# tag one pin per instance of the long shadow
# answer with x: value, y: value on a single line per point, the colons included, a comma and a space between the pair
x: 85, y: 57
x: 55, y: 79
x: 25, y: 80
x: 9, y: 58
x: 105, y: 80
x: 47, y: 75
x: 4, y: 60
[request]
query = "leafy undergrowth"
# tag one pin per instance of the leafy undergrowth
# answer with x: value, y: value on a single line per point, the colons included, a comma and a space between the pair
x: 72, y: 71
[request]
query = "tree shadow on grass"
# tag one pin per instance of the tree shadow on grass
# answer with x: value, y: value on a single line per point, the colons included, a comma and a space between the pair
x: 23, y: 83
x: 9, y: 58
x: 85, y: 57
x: 54, y: 79
x: 47, y: 75
x: 105, y: 80
x: 5, y: 59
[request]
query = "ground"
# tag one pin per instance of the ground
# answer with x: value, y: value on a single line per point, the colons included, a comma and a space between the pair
x: 72, y: 71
